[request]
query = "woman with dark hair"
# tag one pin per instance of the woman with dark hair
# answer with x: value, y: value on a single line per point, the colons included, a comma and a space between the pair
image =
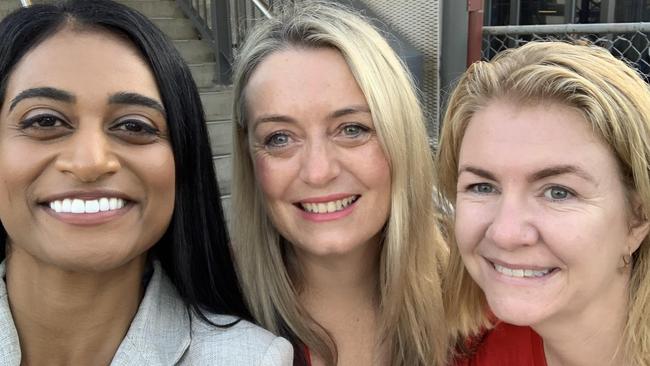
x: 114, y: 245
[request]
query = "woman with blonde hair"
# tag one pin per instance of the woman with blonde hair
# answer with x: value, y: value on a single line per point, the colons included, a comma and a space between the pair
x: 545, y: 153
x: 332, y: 195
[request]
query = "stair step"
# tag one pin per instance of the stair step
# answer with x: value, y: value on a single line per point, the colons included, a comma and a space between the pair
x: 155, y: 9
x: 220, y: 134
x: 9, y: 4
x: 223, y: 169
x: 194, y: 51
x: 203, y: 74
x: 176, y: 28
x: 217, y: 105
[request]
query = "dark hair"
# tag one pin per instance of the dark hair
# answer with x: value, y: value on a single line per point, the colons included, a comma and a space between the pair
x: 194, y: 251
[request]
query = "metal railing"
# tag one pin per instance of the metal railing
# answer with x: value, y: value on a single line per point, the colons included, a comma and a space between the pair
x: 627, y: 41
x: 223, y: 24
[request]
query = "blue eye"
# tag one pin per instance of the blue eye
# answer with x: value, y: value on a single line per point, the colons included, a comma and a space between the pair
x: 482, y: 188
x: 557, y: 193
x: 278, y: 139
x: 354, y: 130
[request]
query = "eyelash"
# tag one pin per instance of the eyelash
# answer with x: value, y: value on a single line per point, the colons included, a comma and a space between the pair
x: 32, y: 121
x: 474, y: 188
x: 146, y: 130
x: 362, y: 129
x: 570, y: 193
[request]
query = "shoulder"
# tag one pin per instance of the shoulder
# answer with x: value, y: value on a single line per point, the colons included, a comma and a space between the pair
x: 507, y: 345
x: 242, y: 343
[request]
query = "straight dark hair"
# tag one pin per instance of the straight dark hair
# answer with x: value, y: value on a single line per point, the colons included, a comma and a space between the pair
x: 194, y: 251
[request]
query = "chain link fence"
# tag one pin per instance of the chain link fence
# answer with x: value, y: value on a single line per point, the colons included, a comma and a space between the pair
x: 628, y: 41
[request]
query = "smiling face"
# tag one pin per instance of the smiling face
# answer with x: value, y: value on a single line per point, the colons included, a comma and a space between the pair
x: 316, y: 155
x: 87, y: 169
x: 542, y: 219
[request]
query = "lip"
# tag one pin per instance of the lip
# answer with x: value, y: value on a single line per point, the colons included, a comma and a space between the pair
x: 495, y: 275
x: 86, y: 219
x: 85, y: 195
x: 516, y: 266
x: 328, y: 198
x: 323, y: 217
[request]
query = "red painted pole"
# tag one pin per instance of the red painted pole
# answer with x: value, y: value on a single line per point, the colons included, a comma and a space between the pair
x: 474, y: 31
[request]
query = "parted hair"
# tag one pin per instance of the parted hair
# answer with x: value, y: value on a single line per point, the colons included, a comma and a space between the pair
x: 412, y: 253
x: 613, y: 98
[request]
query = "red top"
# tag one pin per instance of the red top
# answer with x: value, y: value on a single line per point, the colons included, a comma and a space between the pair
x: 507, y: 345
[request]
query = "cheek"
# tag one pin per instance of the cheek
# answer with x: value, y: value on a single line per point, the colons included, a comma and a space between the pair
x: 273, y: 176
x: 469, y: 227
x: 161, y: 183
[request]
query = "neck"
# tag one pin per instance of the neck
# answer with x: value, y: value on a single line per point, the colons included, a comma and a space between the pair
x: 590, y: 336
x: 65, y: 317
x: 341, y: 293
x: 340, y: 279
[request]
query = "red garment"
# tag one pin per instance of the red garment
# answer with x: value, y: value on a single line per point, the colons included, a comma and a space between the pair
x: 507, y: 345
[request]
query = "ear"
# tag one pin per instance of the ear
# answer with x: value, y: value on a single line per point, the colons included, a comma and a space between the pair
x: 639, y: 224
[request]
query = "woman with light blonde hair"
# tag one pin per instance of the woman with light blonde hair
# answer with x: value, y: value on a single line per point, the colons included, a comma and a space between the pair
x: 332, y: 193
x: 544, y: 155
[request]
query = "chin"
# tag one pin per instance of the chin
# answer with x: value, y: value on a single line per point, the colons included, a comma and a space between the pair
x: 517, y: 312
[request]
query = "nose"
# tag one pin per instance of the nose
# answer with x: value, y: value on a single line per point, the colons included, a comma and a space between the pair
x: 319, y: 165
x: 88, y: 156
x: 512, y: 225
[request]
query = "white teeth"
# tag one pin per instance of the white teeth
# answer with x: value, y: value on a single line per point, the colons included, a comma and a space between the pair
x: 328, y: 207
x: 103, y: 204
x: 79, y: 206
x: 521, y: 273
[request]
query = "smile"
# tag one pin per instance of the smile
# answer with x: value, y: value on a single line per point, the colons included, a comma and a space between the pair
x: 79, y: 206
x: 328, y: 207
x: 522, y: 272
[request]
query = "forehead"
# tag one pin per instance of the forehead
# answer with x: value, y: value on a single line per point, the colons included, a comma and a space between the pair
x: 507, y: 136
x: 299, y: 79
x: 88, y: 62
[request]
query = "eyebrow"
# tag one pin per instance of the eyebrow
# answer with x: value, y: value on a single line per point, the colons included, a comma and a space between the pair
x: 349, y: 110
x: 544, y: 173
x: 44, y: 92
x: 336, y: 114
x: 477, y: 171
x: 136, y: 99
x: 64, y: 96
x: 562, y: 169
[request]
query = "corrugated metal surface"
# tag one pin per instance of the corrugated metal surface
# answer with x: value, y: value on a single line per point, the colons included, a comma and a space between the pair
x: 418, y: 22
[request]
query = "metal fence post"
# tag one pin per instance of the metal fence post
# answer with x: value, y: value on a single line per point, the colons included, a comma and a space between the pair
x: 474, y: 30
x: 221, y: 35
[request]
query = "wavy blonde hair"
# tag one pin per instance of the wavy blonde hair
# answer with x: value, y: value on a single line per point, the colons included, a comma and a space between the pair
x: 612, y: 97
x: 411, y: 313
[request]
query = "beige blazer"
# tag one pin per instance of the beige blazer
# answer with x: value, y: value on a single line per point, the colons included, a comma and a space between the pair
x: 164, y: 333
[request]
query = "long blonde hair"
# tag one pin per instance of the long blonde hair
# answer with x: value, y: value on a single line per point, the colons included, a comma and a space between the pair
x: 412, y: 254
x: 612, y: 97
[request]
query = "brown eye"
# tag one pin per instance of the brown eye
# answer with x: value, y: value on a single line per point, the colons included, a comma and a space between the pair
x: 43, y: 121
x: 135, y: 131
